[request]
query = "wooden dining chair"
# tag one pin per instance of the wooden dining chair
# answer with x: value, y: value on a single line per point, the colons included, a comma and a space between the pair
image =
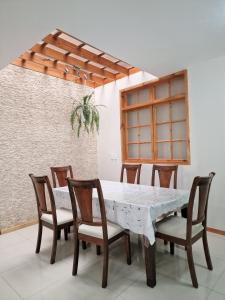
x: 133, y: 172
x: 61, y: 173
x: 54, y: 219
x: 165, y: 175
x: 186, y: 232
x: 92, y: 230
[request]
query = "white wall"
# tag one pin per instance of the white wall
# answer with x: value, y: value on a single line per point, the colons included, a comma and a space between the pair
x: 109, y: 146
x: 207, y: 132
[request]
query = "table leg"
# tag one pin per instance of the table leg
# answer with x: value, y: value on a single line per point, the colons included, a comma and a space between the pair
x: 150, y: 264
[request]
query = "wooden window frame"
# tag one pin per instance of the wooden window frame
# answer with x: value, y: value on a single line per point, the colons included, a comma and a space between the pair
x: 152, y: 104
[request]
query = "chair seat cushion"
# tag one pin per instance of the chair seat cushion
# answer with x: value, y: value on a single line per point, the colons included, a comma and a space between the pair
x: 96, y: 231
x: 63, y: 216
x: 177, y: 226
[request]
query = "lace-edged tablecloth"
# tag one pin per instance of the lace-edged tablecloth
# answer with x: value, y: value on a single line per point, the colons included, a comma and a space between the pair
x: 134, y: 207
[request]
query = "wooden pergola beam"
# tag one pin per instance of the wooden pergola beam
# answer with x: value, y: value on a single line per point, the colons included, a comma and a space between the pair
x: 64, y: 56
x: 45, y: 61
x: 72, y: 48
x: 51, y: 71
x: 47, y: 51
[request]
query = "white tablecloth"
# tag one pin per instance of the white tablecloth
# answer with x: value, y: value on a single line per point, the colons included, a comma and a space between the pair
x: 134, y: 207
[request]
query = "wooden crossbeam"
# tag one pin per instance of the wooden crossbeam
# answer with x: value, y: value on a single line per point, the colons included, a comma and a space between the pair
x: 60, y: 66
x: 47, y: 51
x: 51, y: 71
x: 72, y: 48
x: 66, y: 57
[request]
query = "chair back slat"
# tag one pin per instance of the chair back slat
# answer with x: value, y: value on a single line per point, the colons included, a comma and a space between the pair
x: 61, y: 173
x: 133, y: 172
x: 40, y: 188
x: 84, y: 200
x: 81, y: 192
x: 202, y: 185
x: 40, y: 183
x: 165, y: 175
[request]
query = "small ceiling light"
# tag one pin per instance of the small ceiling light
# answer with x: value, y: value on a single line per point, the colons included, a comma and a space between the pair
x: 66, y: 70
x: 77, y: 70
x: 85, y: 76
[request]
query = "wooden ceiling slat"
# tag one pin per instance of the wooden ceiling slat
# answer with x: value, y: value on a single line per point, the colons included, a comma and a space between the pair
x: 71, y: 60
x: 60, y: 66
x: 66, y: 57
x: 66, y: 45
x: 51, y: 71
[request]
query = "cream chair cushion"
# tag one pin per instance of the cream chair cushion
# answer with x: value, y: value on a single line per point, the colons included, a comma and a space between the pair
x: 96, y: 231
x: 63, y: 216
x: 177, y: 227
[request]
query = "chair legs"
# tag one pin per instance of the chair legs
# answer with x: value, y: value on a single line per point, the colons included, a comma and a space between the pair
x: 84, y: 245
x: 38, y: 246
x: 127, y: 248
x: 98, y: 250
x: 171, y: 248
x: 191, y: 266
x: 105, y: 266
x: 59, y: 234
x: 66, y: 233
x: 76, y: 257
x: 206, y: 250
x: 54, y: 246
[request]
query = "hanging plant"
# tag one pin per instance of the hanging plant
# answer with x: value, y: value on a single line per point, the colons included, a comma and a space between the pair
x: 85, y: 115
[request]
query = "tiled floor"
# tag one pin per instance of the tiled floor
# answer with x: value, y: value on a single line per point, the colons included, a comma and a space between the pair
x: 26, y: 275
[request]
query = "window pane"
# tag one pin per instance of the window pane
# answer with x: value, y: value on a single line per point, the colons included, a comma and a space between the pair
x: 132, y: 98
x: 177, y: 86
x: 144, y: 116
x: 145, y: 134
x: 143, y: 95
x: 178, y: 131
x: 162, y: 113
x: 178, y: 110
x: 145, y: 151
x: 163, y: 151
x: 132, y: 135
x: 162, y: 90
x: 163, y: 132
x: 132, y: 118
x: 179, y: 150
x: 132, y: 151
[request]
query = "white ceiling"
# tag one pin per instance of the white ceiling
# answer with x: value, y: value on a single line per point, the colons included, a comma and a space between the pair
x: 159, y: 36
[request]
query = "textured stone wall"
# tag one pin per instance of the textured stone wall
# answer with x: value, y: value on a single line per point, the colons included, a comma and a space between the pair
x: 35, y: 134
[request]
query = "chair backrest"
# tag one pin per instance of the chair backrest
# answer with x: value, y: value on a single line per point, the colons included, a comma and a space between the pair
x: 165, y: 174
x: 202, y: 185
x: 41, y: 184
x: 81, y: 197
x: 61, y: 173
x: 133, y: 172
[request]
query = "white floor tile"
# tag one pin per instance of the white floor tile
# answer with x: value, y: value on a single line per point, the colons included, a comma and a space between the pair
x: 220, y: 285
x: 26, y: 275
x: 6, y: 292
x: 215, y: 296
x: 166, y: 288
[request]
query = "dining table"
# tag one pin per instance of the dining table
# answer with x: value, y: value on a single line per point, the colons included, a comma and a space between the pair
x: 134, y: 207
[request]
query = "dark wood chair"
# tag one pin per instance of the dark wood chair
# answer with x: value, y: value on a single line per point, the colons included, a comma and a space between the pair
x: 92, y: 230
x: 165, y: 175
x: 133, y: 172
x: 186, y: 232
x: 61, y: 173
x: 55, y: 219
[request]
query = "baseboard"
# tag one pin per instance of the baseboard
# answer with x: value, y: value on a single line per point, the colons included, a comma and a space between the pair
x: 217, y: 231
x: 18, y: 226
